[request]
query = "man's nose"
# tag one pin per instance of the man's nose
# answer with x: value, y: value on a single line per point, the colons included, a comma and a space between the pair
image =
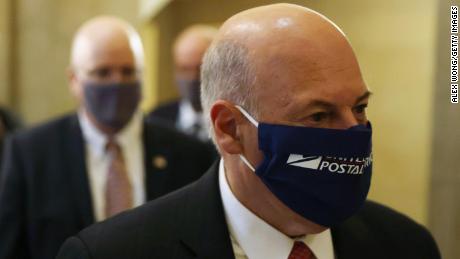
x: 117, y: 77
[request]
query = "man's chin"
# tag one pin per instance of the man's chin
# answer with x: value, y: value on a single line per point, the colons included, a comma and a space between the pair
x: 306, y: 227
x: 302, y: 226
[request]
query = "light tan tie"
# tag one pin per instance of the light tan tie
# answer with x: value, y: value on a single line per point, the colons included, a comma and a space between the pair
x: 118, y: 189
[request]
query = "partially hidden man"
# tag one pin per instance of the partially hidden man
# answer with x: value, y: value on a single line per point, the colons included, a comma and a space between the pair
x: 186, y: 113
x: 66, y: 174
x: 287, y: 106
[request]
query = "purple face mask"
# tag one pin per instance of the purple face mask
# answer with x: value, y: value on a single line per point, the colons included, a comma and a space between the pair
x: 112, y: 104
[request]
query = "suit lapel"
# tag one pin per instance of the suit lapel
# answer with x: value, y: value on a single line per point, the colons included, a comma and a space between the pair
x: 175, y: 111
x: 208, y: 236
x: 76, y: 165
x: 156, y: 156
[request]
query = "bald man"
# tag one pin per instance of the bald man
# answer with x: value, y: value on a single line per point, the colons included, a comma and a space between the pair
x: 186, y: 113
x: 64, y: 175
x: 287, y: 106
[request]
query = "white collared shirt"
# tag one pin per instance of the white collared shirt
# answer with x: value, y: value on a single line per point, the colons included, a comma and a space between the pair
x: 97, y: 160
x: 188, y: 117
x: 253, y: 238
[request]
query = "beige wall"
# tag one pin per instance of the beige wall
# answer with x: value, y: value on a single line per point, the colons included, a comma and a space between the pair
x: 5, y: 57
x: 445, y: 179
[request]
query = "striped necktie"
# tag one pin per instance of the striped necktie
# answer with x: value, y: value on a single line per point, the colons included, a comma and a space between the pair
x: 118, y: 189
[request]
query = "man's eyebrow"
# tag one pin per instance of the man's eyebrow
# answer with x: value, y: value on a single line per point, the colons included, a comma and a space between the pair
x: 366, y: 95
x: 321, y: 104
x: 329, y: 105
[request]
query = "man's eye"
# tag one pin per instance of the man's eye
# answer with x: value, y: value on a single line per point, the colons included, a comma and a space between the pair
x: 319, y: 116
x: 128, y: 71
x: 102, y: 72
x: 360, y: 109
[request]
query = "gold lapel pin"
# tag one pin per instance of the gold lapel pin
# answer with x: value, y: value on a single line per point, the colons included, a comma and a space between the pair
x: 159, y: 162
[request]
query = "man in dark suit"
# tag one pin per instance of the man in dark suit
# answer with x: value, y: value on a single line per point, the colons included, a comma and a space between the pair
x: 186, y: 113
x: 287, y: 103
x: 64, y: 175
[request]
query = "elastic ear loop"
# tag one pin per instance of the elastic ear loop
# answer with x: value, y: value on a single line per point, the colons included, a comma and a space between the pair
x: 253, y: 121
x: 247, y: 162
x: 246, y: 114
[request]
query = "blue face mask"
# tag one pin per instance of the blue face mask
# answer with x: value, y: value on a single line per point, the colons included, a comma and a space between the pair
x: 323, y: 175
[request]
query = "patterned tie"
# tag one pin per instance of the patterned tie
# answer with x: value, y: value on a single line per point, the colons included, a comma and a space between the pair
x: 300, y: 251
x: 118, y: 189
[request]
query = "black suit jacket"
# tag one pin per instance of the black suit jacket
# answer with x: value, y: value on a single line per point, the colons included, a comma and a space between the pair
x: 10, y: 123
x: 166, y: 113
x: 45, y: 195
x: 190, y: 223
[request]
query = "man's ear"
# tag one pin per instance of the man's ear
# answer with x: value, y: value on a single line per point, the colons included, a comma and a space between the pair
x: 74, y: 86
x: 225, y: 119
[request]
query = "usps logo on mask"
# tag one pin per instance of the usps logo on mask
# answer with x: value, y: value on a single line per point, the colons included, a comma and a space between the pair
x: 331, y: 164
x: 310, y: 162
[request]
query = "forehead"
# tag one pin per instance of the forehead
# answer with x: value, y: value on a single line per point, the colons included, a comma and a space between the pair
x: 191, y: 50
x: 296, y: 72
x: 113, y: 53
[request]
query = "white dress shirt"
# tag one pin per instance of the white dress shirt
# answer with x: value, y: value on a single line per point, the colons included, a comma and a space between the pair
x: 97, y: 160
x: 188, y: 117
x: 253, y: 238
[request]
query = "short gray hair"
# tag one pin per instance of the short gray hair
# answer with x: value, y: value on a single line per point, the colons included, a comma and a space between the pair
x: 226, y: 74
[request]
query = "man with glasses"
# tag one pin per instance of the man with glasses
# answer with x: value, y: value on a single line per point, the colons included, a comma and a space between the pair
x: 64, y: 175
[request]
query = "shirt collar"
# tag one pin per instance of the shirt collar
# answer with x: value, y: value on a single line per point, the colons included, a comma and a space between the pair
x: 96, y: 139
x: 258, y: 239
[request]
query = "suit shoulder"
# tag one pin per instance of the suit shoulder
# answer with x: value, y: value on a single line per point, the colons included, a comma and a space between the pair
x: 156, y: 222
x: 165, y: 108
x: 373, y: 211
x: 154, y: 226
x: 171, y: 136
x: 45, y: 131
x: 396, y: 228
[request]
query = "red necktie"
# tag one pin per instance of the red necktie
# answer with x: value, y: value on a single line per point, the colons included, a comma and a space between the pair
x: 300, y: 251
x: 118, y: 190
